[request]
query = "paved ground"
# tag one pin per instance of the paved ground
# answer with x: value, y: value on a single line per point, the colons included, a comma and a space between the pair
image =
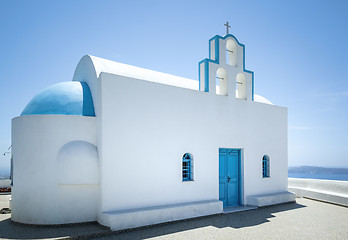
x: 306, y: 219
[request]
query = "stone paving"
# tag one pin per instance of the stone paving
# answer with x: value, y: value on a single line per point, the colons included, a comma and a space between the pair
x: 306, y: 219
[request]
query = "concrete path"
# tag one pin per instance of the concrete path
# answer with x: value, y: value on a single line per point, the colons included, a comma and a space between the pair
x: 306, y: 219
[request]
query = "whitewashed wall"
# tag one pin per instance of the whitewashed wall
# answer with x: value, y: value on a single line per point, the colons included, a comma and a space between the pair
x: 55, y: 169
x: 147, y: 127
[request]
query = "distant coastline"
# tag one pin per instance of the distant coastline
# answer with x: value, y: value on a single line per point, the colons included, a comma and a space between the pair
x: 340, y: 174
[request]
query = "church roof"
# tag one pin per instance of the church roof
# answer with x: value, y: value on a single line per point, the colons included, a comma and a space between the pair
x: 67, y: 98
x: 261, y: 99
x: 103, y: 65
x: 94, y: 65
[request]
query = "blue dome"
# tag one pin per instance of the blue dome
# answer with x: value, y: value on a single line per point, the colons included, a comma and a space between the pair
x: 67, y: 98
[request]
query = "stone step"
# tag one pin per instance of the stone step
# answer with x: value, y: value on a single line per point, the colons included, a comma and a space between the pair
x: 133, y: 218
x: 271, y: 199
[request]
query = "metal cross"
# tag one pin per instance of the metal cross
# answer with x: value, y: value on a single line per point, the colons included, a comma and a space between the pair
x: 227, y: 27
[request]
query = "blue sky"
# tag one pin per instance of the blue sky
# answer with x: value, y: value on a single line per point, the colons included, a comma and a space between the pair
x: 297, y: 49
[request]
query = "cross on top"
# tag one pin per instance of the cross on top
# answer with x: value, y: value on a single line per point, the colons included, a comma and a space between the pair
x: 227, y: 27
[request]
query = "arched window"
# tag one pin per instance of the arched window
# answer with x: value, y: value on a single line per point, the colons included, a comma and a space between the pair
x: 221, y: 82
x: 241, y: 86
x: 231, y: 53
x: 265, y: 166
x: 187, y: 167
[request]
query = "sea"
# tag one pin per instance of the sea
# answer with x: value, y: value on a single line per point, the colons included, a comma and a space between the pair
x: 340, y: 174
x: 340, y: 177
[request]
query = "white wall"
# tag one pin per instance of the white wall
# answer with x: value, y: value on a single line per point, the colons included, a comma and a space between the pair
x: 147, y: 127
x: 47, y: 151
x: 324, y: 190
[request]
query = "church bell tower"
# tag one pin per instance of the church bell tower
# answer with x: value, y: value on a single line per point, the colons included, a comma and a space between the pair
x: 224, y: 72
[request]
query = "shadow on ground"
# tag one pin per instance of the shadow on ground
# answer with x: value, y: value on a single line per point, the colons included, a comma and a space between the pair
x: 11, y: 230
x: 237, y: 220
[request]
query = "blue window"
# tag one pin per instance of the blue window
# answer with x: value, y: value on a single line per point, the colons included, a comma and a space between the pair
x: 265, y: 166
x: 187, y: 168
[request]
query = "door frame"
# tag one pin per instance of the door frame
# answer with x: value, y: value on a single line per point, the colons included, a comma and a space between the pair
x: 240, y: 176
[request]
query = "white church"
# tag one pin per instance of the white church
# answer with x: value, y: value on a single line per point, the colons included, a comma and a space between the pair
x: 130, y: 147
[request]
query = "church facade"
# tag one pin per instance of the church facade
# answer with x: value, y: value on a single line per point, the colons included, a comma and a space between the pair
x: 130, y: 147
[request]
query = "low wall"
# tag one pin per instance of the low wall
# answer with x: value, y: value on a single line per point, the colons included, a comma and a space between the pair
x: 126, y: 219
x: 325, y: 190
x: 5, y: 183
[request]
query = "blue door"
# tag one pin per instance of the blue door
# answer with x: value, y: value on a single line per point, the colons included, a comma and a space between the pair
x: 229, y: 175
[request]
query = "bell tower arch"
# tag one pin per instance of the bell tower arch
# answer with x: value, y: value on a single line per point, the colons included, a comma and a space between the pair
x: 224, y: 71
